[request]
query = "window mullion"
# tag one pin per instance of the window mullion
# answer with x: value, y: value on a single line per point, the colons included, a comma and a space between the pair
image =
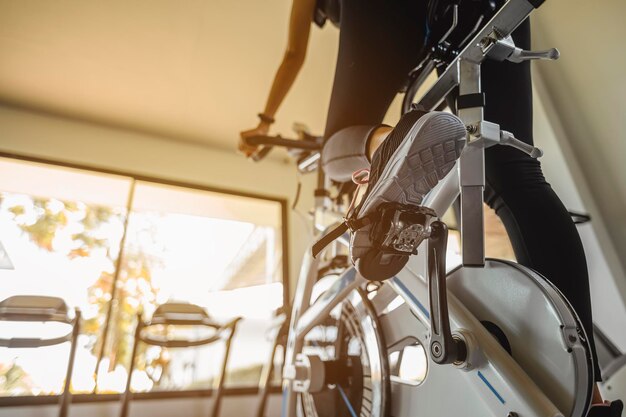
x: 118, y: 265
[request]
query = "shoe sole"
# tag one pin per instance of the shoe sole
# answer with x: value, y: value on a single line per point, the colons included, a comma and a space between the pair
x: 418, y: 165
x: 415, y: 168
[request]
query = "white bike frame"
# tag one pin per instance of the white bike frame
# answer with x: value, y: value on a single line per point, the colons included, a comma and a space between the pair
x: 502, y: 383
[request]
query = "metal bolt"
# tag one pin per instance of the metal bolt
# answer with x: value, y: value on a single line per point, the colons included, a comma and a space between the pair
x: 572, y: 338
x: 372, y: 286
x: 435, y: 348
x: 512, y: 414
x: 485, y: 43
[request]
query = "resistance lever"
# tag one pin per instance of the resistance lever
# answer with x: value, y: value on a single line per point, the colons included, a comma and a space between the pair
x: 501, y: 49
x: 488, y: 134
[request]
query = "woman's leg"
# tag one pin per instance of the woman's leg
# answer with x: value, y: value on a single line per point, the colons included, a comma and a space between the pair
x: 540, y: 228
x: 379, y: 43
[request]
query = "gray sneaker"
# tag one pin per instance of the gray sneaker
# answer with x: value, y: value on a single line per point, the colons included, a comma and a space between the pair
x: 417, y: 154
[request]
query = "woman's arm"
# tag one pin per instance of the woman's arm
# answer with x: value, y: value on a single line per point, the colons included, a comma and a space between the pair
x: 299, y: 30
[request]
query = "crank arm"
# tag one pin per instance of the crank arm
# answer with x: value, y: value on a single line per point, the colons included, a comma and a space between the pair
x: 444, y: 347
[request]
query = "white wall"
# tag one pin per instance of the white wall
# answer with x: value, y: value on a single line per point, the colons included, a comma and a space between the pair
x: 588, y: 91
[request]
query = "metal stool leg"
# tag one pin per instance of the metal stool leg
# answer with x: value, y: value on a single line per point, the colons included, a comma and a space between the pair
x: 127, y: 393
x: 218, y: 385
x: 66, y: 396
x: 266, y: 379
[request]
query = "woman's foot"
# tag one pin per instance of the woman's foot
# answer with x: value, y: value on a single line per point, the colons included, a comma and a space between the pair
x: 608, y: 409
x: 417, y: 154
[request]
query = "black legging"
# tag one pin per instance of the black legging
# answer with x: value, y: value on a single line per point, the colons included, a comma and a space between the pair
x: 380, y: 42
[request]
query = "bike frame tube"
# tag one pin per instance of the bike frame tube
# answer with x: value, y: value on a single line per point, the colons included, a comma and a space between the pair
x: 345, y: 283
x: 302, y: 299
x: 306, y: 316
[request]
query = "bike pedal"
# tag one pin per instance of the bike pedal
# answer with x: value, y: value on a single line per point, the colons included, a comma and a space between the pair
x: 401, y: 228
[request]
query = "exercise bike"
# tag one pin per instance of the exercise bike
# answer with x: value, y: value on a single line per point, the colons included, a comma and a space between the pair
x: 490, y: 338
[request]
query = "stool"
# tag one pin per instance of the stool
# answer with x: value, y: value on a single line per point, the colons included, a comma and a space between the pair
x: 182, y: 314
x: 37, y: 308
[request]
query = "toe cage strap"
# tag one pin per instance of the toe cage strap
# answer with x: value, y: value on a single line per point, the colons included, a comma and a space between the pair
x: 328, y: 238
x: 396, y: 228
x: 352, y: 224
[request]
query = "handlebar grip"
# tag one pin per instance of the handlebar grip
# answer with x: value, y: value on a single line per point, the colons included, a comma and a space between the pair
x: 261, y: 153
x: 267, y: 143
x: 306, y: 145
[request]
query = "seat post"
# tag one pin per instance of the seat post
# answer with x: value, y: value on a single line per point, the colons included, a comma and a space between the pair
x: 470, y: 105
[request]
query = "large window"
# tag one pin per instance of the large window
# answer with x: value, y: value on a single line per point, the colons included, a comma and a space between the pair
x: 116, y: 246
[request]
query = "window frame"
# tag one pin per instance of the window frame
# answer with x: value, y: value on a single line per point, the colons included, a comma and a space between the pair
x: 29, y: 400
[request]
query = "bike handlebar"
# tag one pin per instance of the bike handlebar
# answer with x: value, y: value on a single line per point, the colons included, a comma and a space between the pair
x: 267, y: 143
x: 306, y: 145
x: 261, y: 153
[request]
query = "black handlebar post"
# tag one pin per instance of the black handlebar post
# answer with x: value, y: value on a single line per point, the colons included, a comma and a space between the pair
x: 305, y: 145
x: 261, y: 153
x: 267, y: 143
